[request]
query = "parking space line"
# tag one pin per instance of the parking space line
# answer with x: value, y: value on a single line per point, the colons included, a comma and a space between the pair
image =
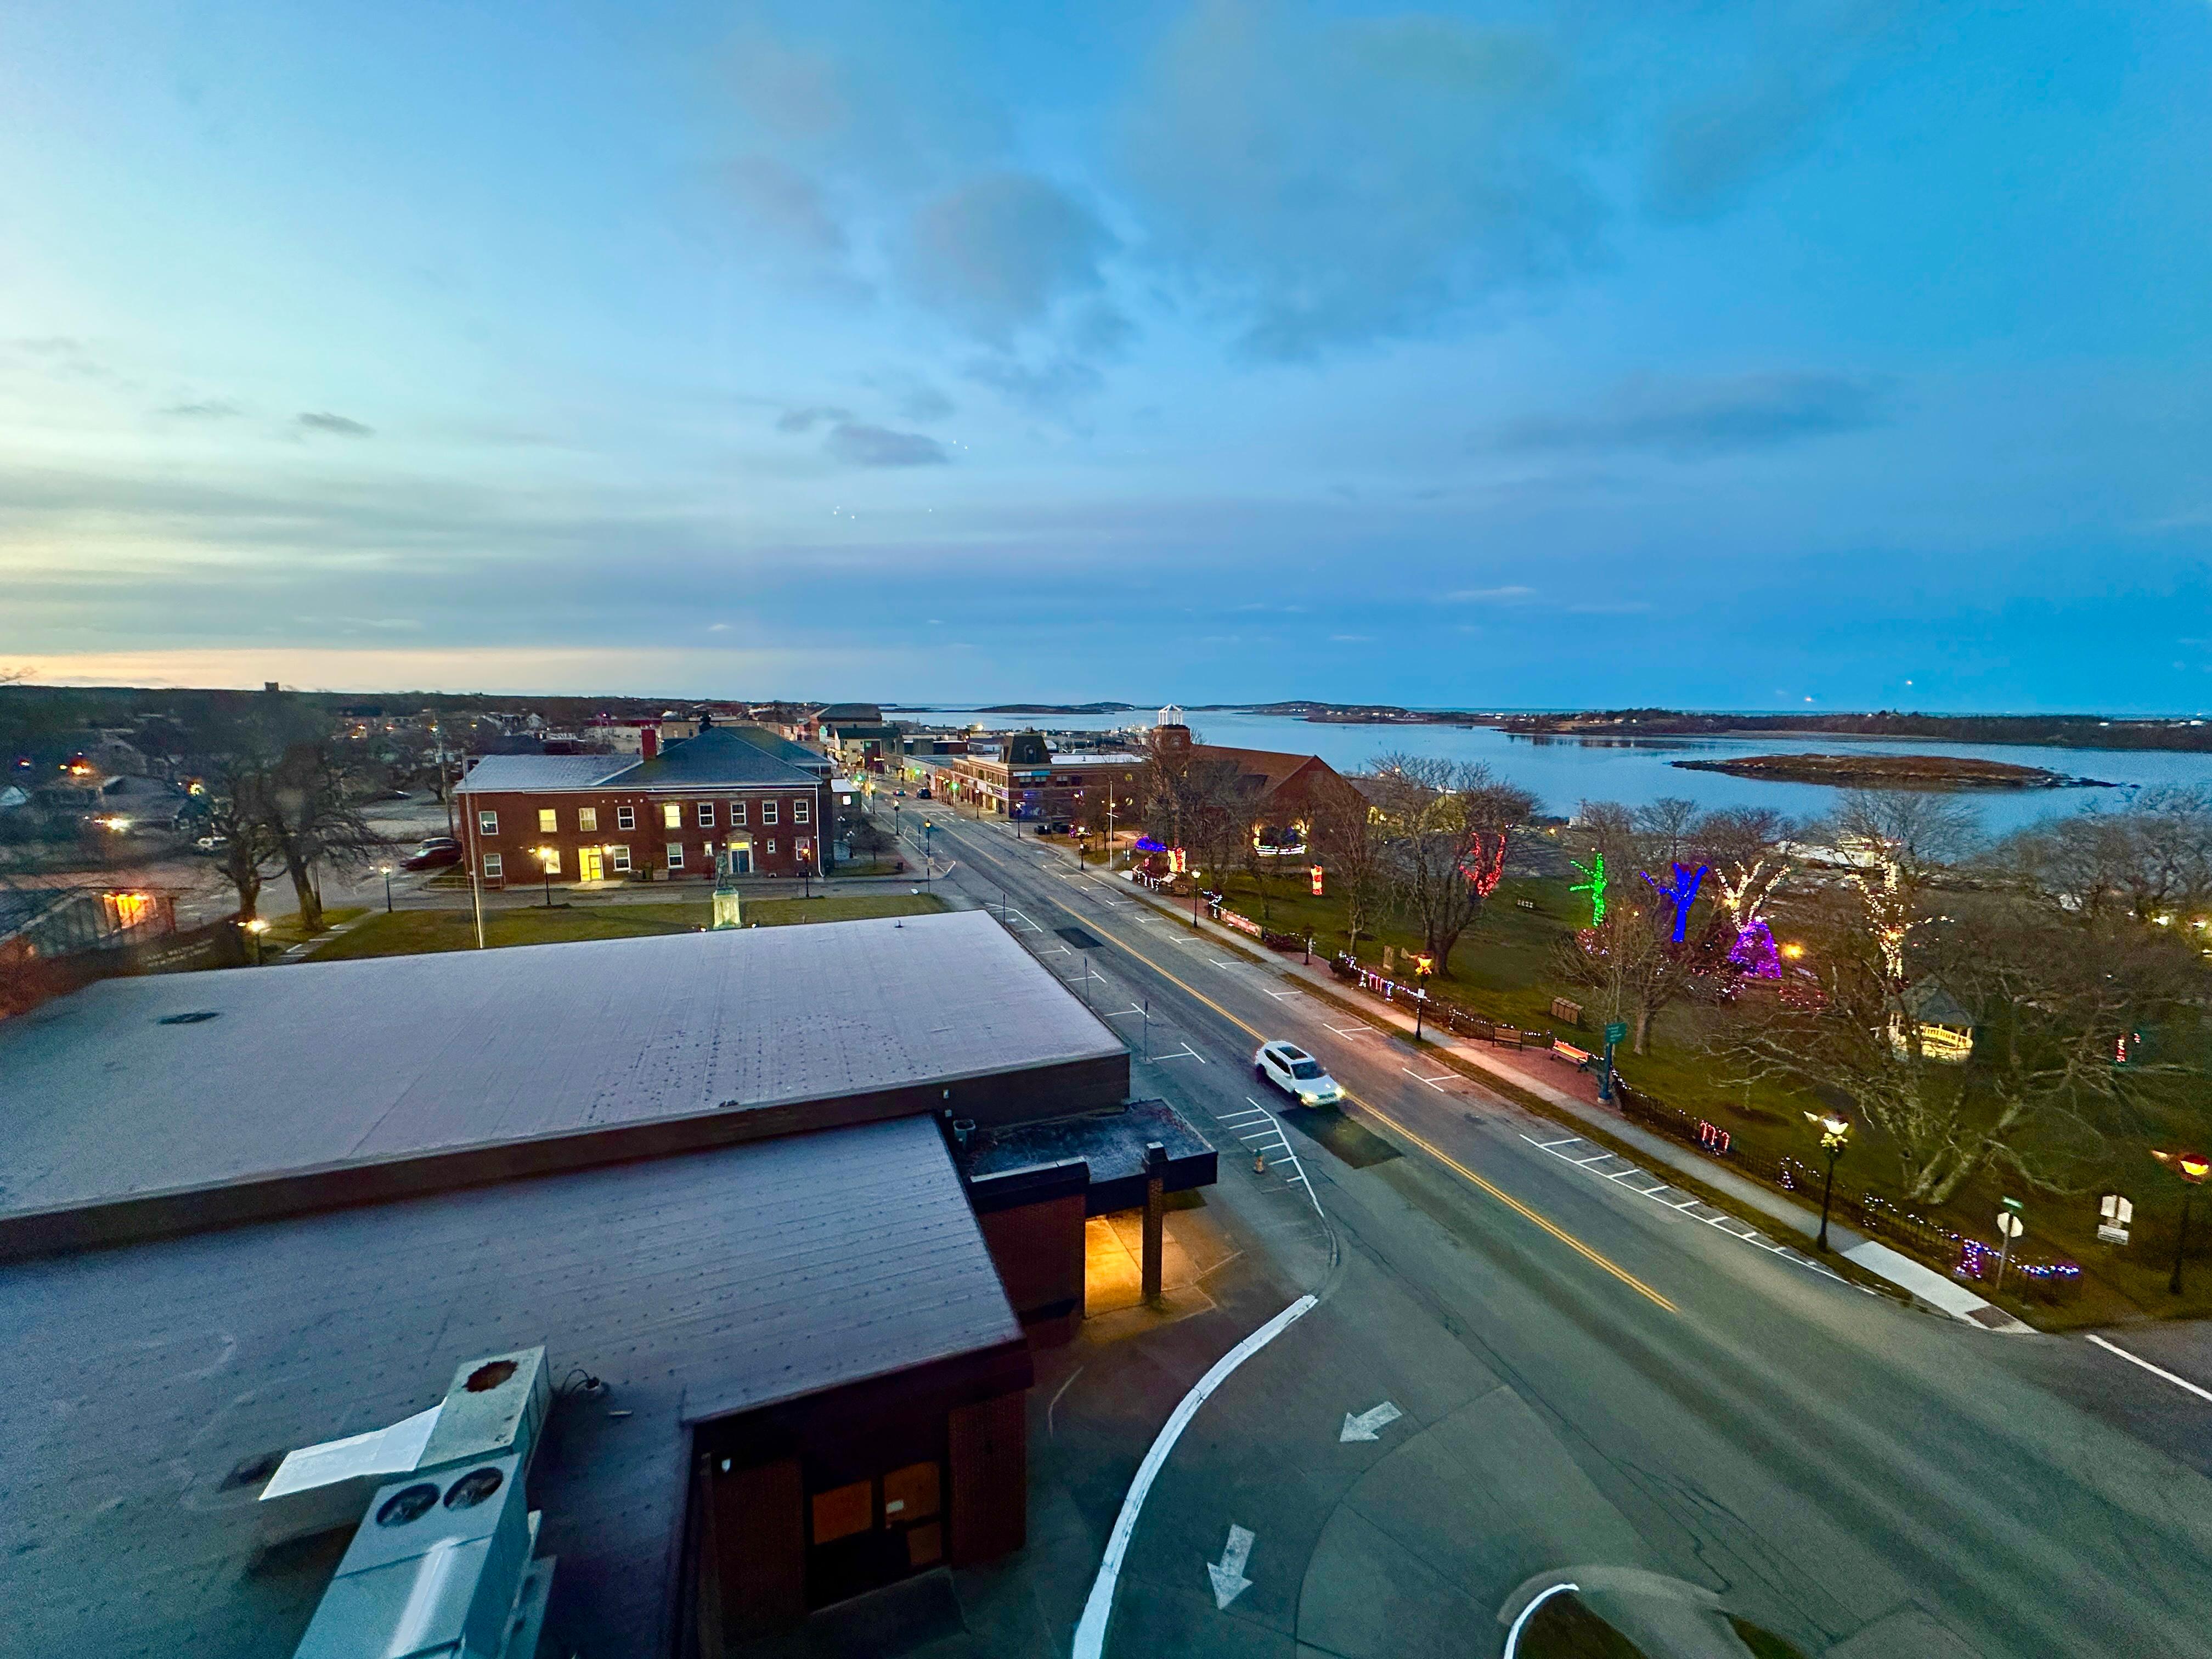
x: 1353, y: 1030
x: 1436, y: 1082
x: 1279, y: 995
x: 1184, y: 1052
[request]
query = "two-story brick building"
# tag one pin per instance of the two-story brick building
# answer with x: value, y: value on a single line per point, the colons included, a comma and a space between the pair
x: 592, y: 818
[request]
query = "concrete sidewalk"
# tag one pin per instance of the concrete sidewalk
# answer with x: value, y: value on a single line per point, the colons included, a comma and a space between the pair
x: 1923, y: 1284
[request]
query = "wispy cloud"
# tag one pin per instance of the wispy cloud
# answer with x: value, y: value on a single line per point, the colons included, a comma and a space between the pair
x: 806, y: 419
x: 339, y: 426
x: 1693, y: 419
x: 858, y: 444
x: 211, y: 409
x: 1490, y: 595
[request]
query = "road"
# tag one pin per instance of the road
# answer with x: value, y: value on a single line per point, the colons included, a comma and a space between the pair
x: 1586, y: 1377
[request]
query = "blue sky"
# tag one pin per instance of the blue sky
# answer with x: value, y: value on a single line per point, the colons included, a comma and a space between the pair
x: 1849, y: 354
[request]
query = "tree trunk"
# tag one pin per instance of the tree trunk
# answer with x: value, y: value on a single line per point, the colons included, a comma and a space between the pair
x: 249, y: 893
x: 311, y: 902
x: 1641, y: 1032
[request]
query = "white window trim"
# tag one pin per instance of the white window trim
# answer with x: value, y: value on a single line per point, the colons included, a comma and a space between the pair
x: 494, y: 867
x: 618, y: 857
x: 545, y: 813
x: 706, y: 814
x: 625, y: 817
x: 587, y: 819
x: 549, y: 861
x: 798, y: 812
x: 676, y: 855
x: 768, y: 812
x: 671, y: 815
x: 737, y: 815
x: 487, y: 824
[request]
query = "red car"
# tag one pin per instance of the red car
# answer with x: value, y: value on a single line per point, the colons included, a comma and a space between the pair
x: 431, y: 858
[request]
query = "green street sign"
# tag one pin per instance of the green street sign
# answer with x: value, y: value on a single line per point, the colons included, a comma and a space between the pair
x: 1617, y: 1031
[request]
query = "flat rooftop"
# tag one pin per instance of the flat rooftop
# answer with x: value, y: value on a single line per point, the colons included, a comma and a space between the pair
x: 142, y: 1379
x: 172, y: 1101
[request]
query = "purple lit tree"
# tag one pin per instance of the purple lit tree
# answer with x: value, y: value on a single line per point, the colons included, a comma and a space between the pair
x: 1753, y: 955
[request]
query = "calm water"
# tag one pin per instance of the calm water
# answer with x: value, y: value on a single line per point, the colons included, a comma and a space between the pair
x: 1561, y: 774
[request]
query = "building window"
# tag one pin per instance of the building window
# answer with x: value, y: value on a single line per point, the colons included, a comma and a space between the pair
x: 706, y: 814
x: 550, y: 857
x: 548, y: 820
x: 488, y: 823
x: 619, y: 856
x: 799, y: 812
x: 492, y: 867
x: 771, y: 847
x: 587, y: 818
x: 737, y: 815
x: 676, y: 854
x: 768, y: 812
x: 625, y: 817
x: 671, y: 815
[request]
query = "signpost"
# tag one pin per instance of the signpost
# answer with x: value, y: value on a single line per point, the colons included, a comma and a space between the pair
x: 1616, y: 1031
x: 2011, y: 1227
x: 2117, y: 1212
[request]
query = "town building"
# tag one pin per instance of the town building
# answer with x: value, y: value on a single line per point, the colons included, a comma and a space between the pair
x: 1026, y: 780
x: 665, y: 815
x: 1281, y: 793
x: 767, y: 1282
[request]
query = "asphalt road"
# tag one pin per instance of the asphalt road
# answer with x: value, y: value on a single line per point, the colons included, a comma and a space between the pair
x: 1587, y: 1379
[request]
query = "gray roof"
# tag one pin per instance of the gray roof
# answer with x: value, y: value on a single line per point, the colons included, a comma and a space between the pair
x: 503, y: 773
x: 540, y: 1051
x: 778, y: 746
x: 139, y: 1378
x: 716, y: 757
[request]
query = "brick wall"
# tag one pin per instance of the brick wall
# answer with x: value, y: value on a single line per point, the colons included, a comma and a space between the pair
x: 782, y: 826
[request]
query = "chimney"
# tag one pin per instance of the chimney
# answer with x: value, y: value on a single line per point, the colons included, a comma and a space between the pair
x: 648, y: 740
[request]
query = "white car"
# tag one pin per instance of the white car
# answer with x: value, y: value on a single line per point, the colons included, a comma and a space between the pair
x: 1297, y: 1073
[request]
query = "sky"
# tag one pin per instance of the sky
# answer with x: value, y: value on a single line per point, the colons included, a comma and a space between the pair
x: 1841, y: 354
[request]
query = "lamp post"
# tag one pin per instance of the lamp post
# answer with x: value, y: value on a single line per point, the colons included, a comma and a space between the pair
x: 2192, y: 1168
x: 545, y: 857
x: 1835, y: 1134
x: 1423, y: 966
x: 928, y: 860
x: 384, y: 870
x: 254, y: 930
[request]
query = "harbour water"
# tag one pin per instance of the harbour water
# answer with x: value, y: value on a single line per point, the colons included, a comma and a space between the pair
x: 1562, y: 772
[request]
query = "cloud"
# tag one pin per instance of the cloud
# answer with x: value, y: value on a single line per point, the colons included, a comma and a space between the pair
x: 789, y: 230
x: 213, y: 408
x: 718, y: 628
x: 1490, y: 595
x: 857, y: 444
x: 338, y: 425
x: 1338, y: 182
x: 1808, y: 57
x: 1048, y: 386
x: 997, y: 253
x: 1695, y: 419
x: 806, y: 420
x: 912, y: 398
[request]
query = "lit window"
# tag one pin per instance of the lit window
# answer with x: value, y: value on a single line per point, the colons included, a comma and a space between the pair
x: 619, y: 856
x: 799, y: 812
x: 737, y: 815
x: 491, y: 867
x: 671, y: 815
x: 551, y: 857
x: 676, y: 855
x: 625, y: 817
x: 587, y: 818
x: 706, y: 814
x: 487, y: 822
x: 548, y: 820
x: 768, y: 812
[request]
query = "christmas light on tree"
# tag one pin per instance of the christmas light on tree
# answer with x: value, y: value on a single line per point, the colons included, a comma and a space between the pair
x: 1681, y: 894
x: 1485, y: 866
x: 1594, y: 886
x: 1753, y: 954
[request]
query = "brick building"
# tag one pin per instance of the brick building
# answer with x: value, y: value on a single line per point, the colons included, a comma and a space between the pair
x: 1025, y: 780
x: 595, y: 818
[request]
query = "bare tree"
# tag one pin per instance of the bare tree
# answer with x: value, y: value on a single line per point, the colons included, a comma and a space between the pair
x: 239, y: 787
x: 1632, y: 961
x: 2150, y: 858
x: 1746, y: 848
x: 314, y: 817
x: 1436, y: 814
x: 1348, y: 833
x: 1665, y: 825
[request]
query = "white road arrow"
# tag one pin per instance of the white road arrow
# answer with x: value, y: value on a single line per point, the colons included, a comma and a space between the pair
x: 1228, y: 1575
x: 1364, y: 1425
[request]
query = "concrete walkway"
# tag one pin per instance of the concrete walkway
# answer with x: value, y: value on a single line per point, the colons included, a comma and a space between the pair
x: 1923, y: 1284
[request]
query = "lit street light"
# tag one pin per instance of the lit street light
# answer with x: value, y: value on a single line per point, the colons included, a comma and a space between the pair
x: 1835, y: 1135
x: 254, y: 930
x: 545, y: 857
x: 384, y: 870
x: 2192, y: 1168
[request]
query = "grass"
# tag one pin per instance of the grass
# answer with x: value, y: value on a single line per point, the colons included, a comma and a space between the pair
x: 415, y: 932
x: 285, y: 931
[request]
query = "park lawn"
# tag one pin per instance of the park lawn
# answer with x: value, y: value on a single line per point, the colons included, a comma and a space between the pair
x: 285, y: 931
x: 414, y: 933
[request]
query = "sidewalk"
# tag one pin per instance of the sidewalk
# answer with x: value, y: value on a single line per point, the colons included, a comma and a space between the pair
x: 1923, y: 1284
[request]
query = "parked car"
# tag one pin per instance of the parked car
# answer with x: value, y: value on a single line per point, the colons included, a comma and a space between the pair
x: 1060, y: 827
x: 1297, y: 1073
x: 921, y: 794
x: 432, y: 858
x: 435, y: 840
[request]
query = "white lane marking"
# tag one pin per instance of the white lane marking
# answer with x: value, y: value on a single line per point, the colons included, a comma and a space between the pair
x: 1513, y: 1636
x: 1436, y: 1082
x: 1055, y: 1407
x: 1122, y: 1013
x: 2155, y: 1370
x: 1296, y: 1162
x: 1218, y: 963
x: 1549, y: 1144
x: 1184, y: 1052
x: 1353, y: 1031
x: 1228, y: 1574
x: 1363, y: 1425
x: 1279, y: 995
x: 1090, y: 1632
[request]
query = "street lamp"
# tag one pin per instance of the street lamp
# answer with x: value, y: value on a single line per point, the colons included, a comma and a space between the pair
x: 1835, y: 1135
x: 1422, y: 967
x: 545, y: 857
x: 254, y: 930
x: 2192, y: 1168
x: 384, y: 870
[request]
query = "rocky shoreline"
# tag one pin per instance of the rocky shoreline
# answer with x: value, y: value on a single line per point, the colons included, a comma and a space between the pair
x: 1893, y: 772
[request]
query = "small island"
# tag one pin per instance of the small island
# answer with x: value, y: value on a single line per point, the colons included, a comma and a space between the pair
x: 1894, y: 772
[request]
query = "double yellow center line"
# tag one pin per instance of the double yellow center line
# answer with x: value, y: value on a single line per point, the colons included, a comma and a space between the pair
x: 1595, y: 1257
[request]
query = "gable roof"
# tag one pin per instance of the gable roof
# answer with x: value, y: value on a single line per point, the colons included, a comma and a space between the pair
x: 715, y: 757
x: 1271, y: 769
x: 504, y: 774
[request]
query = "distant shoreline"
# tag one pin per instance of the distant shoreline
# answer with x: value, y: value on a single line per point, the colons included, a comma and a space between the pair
x: 1944, y: 772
